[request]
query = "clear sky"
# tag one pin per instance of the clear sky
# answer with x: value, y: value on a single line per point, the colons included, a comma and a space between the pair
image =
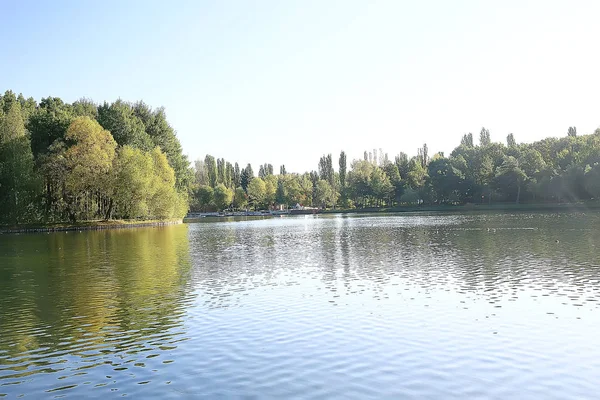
x: 287, y: 81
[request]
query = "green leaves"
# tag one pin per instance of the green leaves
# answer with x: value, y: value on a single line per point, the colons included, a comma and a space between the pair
x: 484, y: 137
x: 126, y: 127
x: 257, y: 192
x: 223, y: 196
x: 117, y: 160
x: 133, y: 182
x: 325, y: 194
x: 18, y: 184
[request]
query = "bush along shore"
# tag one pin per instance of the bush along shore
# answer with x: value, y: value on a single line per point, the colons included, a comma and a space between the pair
x: 87, y: 226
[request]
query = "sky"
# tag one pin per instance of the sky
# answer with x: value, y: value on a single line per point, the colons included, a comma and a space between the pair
x: 285, y: 82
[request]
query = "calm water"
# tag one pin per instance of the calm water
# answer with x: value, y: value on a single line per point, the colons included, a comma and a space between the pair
x: 307, y: 307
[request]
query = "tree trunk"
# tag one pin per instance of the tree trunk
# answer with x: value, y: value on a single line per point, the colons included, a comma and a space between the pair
x: 48, y: 200
x: 109, y: 210
x: 72, y: 215
x: 518, y: 193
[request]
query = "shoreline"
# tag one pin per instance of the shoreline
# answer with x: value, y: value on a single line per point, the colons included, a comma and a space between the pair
x: 499, y: 207
x: 472, y: 207
x: 87, y: 226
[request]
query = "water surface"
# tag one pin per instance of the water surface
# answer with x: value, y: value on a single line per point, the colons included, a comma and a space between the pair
x: 394, y: 306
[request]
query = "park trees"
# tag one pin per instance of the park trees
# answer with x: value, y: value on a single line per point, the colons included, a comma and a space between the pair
x: 132, y: 185
x: 257, y: 192
x: 88, y: 162
x: 17, y: 181
x: 126, y: 128
x: 223, y: 196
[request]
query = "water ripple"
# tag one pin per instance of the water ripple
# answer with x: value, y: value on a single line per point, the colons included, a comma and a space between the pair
x: 435, y: 306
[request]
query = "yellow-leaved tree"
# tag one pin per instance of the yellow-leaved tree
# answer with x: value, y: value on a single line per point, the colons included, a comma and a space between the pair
x: 165, y: 201
x: 132, y: 177
x: 89, y: 162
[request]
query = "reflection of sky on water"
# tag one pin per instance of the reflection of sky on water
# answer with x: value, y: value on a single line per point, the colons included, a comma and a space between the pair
x: 360, y: 306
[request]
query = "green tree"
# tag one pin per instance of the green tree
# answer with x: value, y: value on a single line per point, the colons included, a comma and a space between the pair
x: 85, y: 108
x: 306, y: 189
x: 7, y: 101
x: 200, y: 173
x: 257, y: 192
x: 229, y: 175
x: 402, y: 162
x: 246, y: 177
x: 423, y: 156
x: 410, y: 196
x: 223, y: 196
x: 236, y: 176
x: 326, y: 169
x: 204, y: 195
x: 416, y: 174
x: 126, y: 128
x: 325, y: 194
x: 359, y: 182
x: 281, y: 193
x: 17, y: 182
x: 296, y: 194
x: 342, y: 165
x: 132, y: 179
x: 467, y: 140
x: 391, y: 170
x: 484, y: 137
x: 164, y: 136
x: 48, y: 123
x: 166, y: 202
x: 28, y: 107
x: 211, y: 170
x: 446, y: 180
x: 381, y: 186
x: 592, y: 181
x: 220, y: 171
x: 270, y: 189
x: 510, y: 140
x: 240, y: 199
x: 89, y: 162
x: 510, y: 178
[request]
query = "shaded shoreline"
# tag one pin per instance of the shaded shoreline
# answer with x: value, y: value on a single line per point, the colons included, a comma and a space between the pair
x: 87, y: 226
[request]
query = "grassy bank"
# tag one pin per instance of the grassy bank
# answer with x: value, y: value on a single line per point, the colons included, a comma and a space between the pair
x: 583, y: 206
x: 85, y: 225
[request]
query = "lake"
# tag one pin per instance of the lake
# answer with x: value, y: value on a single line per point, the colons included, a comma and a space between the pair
x: 312, y: 307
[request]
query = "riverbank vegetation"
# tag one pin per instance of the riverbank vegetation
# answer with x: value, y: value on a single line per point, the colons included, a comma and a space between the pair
x: 81, y: 161
x: 75, y: 162
x: 553, y: 170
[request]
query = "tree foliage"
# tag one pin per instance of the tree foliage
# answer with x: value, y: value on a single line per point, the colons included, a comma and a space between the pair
x: 60, y: 161
x: 550, y: 170
x: 17, y: 180
x: 126, y: 128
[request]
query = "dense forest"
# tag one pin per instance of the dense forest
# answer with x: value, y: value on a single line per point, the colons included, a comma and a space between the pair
x: 84, y: 161
x: 551, y: 170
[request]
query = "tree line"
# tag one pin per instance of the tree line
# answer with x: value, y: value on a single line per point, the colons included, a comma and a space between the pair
x: 565, y: 169
x: 83, y: 161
